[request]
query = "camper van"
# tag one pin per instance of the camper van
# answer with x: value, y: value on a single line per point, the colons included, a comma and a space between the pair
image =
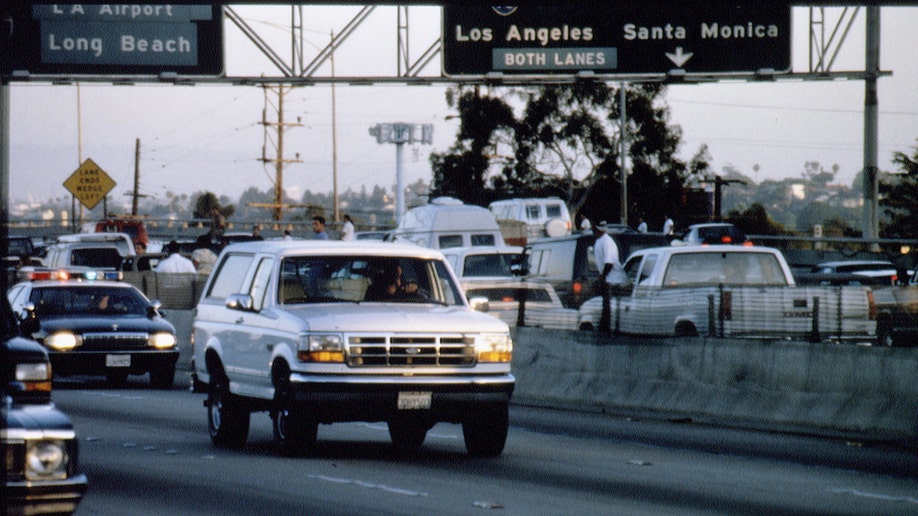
x: 447, y: 222
x: 548, y: 217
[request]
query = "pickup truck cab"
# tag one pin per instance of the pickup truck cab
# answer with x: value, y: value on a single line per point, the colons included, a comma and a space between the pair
x: 39, y: 470
x: 323, y: 332
x: 728, y: 290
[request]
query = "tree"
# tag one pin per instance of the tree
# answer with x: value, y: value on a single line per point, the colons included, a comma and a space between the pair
x: 755, y: 221
x: 899, y: 197
x: 205, y: 203
x: 565, y: 142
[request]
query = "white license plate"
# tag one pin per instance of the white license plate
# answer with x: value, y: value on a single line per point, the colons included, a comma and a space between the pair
x: 414, y: 400
x: 117, y: 360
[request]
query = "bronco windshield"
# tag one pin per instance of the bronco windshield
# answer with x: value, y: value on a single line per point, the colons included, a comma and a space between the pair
x: 324, y: 279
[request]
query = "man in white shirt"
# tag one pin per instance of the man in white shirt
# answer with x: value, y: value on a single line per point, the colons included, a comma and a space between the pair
x: 347, y: 230
x: 175, y: 262
x: 611, y: 274
x: 642, y: 227
x: 668, y: 226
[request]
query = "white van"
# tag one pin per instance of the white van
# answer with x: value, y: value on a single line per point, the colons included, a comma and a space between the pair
x: 447, y: 222
x: 543, y: 217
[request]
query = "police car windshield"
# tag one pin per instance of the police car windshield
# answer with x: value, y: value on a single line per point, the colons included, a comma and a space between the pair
x: 87, y: 300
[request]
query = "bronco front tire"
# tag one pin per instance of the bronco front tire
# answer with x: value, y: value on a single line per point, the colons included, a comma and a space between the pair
x: 295, y: 433
x: 486, y: 434
x: 227, y: 418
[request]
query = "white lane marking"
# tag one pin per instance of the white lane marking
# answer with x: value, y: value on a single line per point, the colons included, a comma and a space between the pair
x: 368, y: 485
x: 876, y: 496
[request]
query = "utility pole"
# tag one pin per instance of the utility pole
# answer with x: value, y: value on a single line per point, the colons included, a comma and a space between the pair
x: 623, y: 141
x: 871, y: 102
x: 280, y: 127
x: 136, y: 194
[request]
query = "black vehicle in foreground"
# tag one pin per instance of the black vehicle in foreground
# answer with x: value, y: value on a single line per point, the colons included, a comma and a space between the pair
x: 91, y: 325
x: 38, y: 445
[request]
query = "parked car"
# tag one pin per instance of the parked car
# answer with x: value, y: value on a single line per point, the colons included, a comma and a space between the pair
x: 882, y: 272
x: 542, y: 306
x: 897, y: 316
x: 92, y: 324
x: 714, y: 233
x: 321, y: 332
x: 485, y: 262
x: 542, y: 216
x: 39, y: 470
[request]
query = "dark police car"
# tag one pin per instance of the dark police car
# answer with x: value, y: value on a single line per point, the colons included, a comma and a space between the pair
x: 92, y: 324
x: 39, y: 471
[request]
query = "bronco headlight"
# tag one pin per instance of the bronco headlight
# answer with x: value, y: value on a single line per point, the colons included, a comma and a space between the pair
x: 321, y: 347
x: 46, y: 459
x: 62, y: 341
x: 495, y: 347
x: 162, y: 340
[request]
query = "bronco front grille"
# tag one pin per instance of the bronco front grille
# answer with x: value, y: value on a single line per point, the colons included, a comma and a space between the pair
x: 114, y: 341
x: 408, y: 351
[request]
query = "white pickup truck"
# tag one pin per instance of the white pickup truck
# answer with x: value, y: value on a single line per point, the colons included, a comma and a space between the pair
x: 730, y: 291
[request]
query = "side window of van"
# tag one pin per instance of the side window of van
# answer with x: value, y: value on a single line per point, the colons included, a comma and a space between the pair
x: 447, y: 241
x: 532, y: 212
x: 482, y: 239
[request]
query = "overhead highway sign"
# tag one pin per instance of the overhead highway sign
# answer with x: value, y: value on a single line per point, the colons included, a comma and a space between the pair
x: 610, y: 38
x: 113, y: 39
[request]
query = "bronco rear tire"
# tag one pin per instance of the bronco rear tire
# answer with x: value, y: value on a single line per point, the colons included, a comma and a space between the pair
x: 227, y: 418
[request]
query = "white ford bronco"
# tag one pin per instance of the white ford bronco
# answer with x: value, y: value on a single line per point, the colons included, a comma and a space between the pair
x: 317, y: 332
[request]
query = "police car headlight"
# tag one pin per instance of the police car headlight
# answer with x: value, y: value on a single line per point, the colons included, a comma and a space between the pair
x: 495, y: 347
x: 62, y: 341
x: 321, y: 347
x: 162, y: 340
x: 46, y: 459
x: 34, y: 376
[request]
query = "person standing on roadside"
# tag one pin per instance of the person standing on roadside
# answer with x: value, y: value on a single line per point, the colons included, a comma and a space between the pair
x: 318, y: 227
x: 668, y: 225
x: 612, y: 276
x: 347, y: 230
x: 175, y: 262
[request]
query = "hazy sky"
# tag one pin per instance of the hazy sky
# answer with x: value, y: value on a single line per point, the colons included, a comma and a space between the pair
x: 208, y: 137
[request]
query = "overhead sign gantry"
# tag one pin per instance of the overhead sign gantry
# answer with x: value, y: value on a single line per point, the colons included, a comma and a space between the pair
x: 697, y: 37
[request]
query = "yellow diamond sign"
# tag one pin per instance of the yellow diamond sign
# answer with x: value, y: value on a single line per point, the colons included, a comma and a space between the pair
x: 89, y: 183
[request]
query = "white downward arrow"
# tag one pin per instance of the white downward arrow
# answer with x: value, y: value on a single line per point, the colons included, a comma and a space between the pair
x: 679, y: 58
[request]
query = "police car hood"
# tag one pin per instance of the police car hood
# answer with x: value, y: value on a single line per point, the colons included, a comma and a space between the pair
x: 79, y: 325
x: 395, y: 317
x: 36, y: 417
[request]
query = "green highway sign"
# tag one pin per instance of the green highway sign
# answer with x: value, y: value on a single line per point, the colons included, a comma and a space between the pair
x: 607, y: 38
x: 113, y: 39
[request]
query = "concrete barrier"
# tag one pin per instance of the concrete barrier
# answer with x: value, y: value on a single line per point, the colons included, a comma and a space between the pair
x: 828, y: 389
x: 844, y: 390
